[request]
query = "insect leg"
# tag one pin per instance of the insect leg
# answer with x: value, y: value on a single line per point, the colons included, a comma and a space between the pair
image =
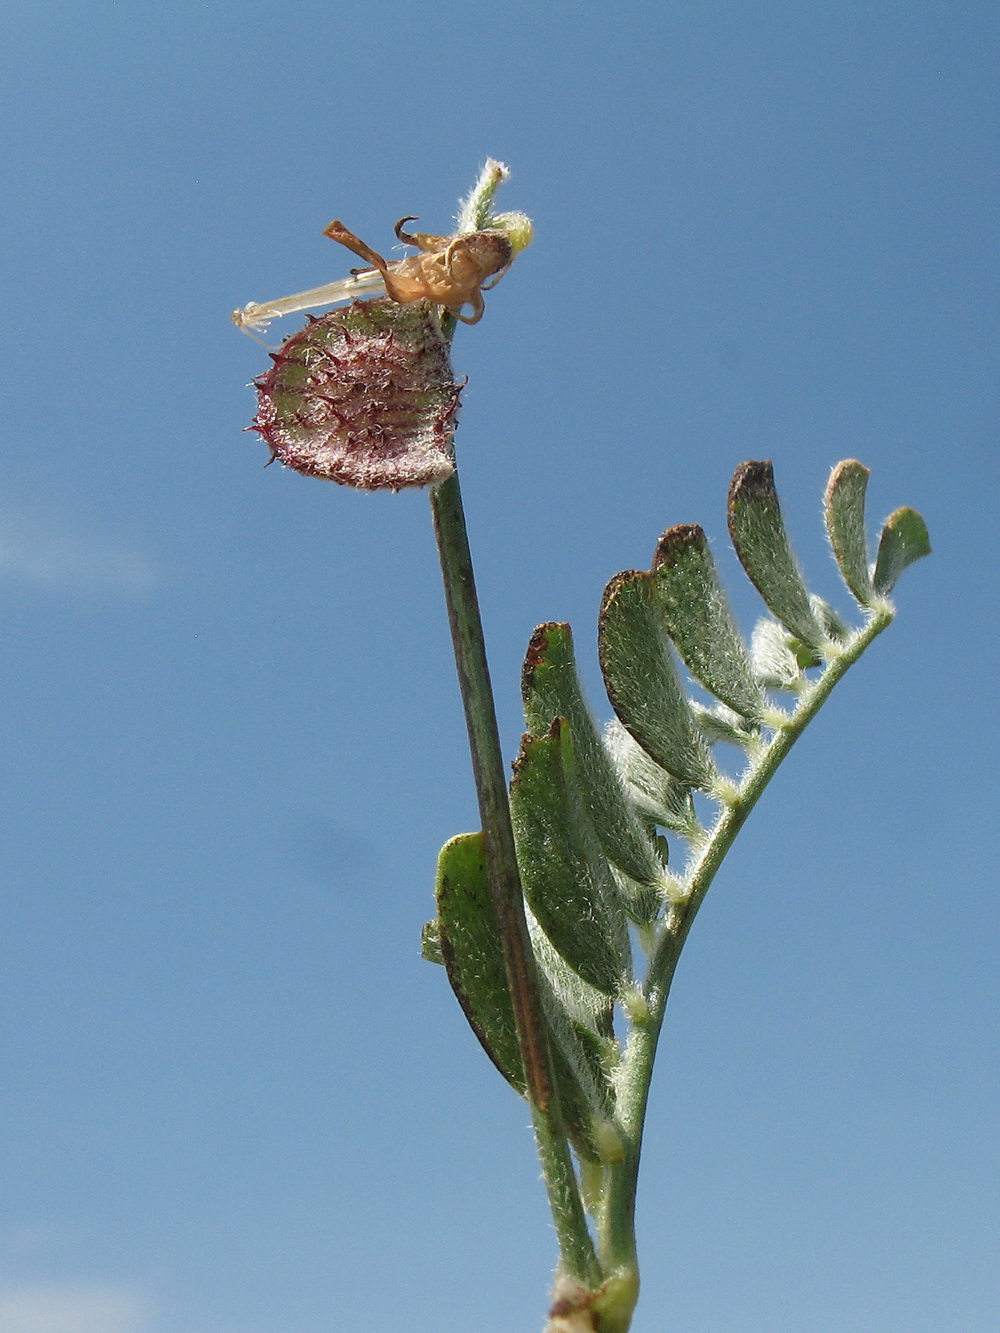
x: 478, y: 306
x: 339, y: 233
x: 488, y: 287
x: 405, y: 236
x: 258, y: 314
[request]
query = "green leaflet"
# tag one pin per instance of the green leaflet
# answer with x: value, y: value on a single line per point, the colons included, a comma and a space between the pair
x: 830, y: 621
x: 657, y: 795
x: 774, y: 662
x: 720, y: 724
x: 904, y: 539
x: 551, y: 688
x: 579, y: 1093
x: 470, y: 946
x: 584, y: 1005
x: 904, y: 536
x: 698, y: 619
x: 758, y: 533
x: 844, y: 510
x: 642, y: 682
x: 580, y: 1022
x: 566, y: 878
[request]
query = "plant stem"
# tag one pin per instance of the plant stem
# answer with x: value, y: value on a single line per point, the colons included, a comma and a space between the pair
x: 577, y: 1250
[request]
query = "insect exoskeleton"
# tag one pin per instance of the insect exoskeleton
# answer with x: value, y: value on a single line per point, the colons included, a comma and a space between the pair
x: 450, y: 271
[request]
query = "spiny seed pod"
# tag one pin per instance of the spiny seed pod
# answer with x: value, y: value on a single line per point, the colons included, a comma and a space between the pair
x: 364, y: 396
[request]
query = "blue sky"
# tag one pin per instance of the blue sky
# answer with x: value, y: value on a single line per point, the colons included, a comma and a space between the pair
x: 235, y: 1099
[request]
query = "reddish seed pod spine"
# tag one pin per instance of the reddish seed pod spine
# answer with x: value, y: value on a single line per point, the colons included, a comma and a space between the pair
x: 364, y: 396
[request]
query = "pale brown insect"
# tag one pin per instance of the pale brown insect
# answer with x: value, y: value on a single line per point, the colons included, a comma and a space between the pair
x: 450, y: 271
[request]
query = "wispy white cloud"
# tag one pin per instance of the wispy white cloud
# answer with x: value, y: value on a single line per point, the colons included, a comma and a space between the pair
x: 71, y: 1309
x: 45, y: 555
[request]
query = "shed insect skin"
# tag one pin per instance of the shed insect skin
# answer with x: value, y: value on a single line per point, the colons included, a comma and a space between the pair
x: 450, y: 271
